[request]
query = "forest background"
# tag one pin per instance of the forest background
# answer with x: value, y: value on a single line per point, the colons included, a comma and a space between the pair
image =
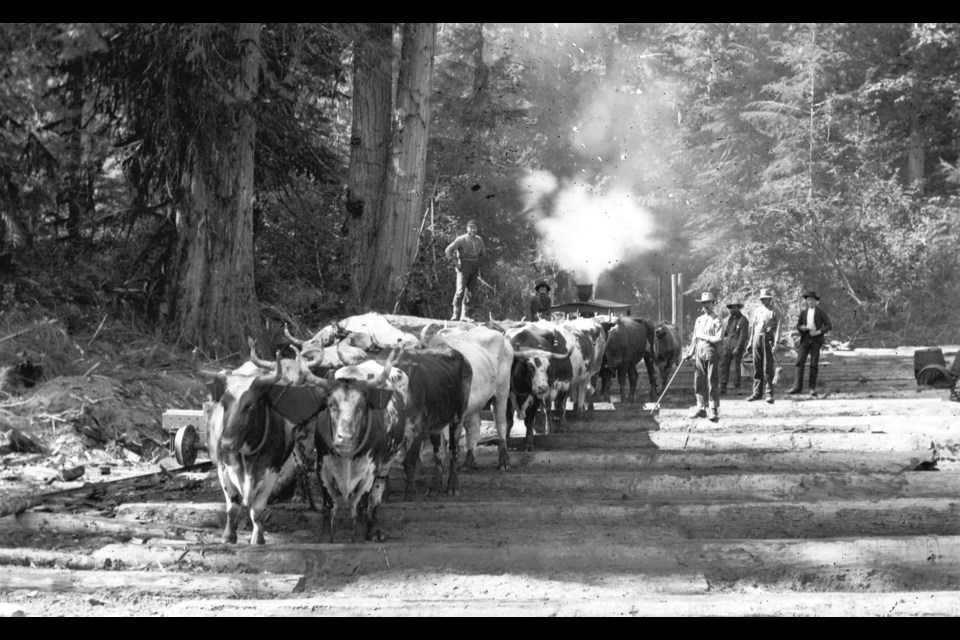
x: 200, y: 183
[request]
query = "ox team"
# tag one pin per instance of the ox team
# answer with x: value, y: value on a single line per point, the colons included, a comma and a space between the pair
x: 366, y: 391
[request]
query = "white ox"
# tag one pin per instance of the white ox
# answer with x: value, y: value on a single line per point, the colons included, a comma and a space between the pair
x: 490, y: 356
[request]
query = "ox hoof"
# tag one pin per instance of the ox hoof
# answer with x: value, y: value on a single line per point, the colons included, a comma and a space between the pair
x: 229, y: 539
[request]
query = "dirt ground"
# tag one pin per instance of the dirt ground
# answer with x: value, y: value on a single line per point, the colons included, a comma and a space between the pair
x: 554, y: 536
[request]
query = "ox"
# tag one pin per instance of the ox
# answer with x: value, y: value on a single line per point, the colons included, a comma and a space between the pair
x: 591, y: 341
x: 490, y: 356
x: 629, y: 341
x: 251, y: 431
x: 667, y: 350
x: 440, y: 379
x: 535, y: 372
x: 357, y: 439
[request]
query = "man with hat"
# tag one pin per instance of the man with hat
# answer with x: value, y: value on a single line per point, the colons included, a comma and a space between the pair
x: 705, y: 347
x: 540, y: 303
x: 468, y: 250
x: 764, y: 333
x: 812, y: 324
x: 736, y: 332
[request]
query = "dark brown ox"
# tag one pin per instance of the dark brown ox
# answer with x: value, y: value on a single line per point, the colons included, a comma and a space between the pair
x: 439, y: 380
x: 629, y: 341
x: 250, y: 435
x: 667, y: 351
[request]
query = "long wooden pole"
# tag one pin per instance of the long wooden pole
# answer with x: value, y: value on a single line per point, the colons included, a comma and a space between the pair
x: 660, y: 298
x: 673, y: 298
x: 680, y: 307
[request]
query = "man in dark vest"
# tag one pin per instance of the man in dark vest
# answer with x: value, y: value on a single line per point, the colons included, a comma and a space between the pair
x: 540, y: 303
x: 736, y: 332
x: 812, y: 323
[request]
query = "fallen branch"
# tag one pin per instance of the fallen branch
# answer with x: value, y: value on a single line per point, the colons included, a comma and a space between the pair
x: 90, y: 370
x: 97, y: 332
x: 27, y: 330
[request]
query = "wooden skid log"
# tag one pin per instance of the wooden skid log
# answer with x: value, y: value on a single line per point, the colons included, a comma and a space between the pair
x: 905, y: 603
x: 91, y: 525
x: 65, y: 580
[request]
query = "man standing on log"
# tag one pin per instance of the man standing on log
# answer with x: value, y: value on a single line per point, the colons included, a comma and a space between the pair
x: 705, y: 346
x: 812, y: 324
x: 467, y: 250
x: 764, y: 333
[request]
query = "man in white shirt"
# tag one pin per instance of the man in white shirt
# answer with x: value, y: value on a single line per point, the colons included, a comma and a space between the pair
x: 705, y: 346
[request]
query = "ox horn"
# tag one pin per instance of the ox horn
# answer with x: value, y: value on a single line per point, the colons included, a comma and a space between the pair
x: 286, y: 332
x: 315, y: 362
x: 388, y: 365
x: 272, y: 378
x: 350, y: 355
x: 308, y: 375
x: 254, y: 358
x: 206, y: 373
x: 524, y: 351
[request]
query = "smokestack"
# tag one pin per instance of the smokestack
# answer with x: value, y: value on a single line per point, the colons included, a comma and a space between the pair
x: 584, y: 292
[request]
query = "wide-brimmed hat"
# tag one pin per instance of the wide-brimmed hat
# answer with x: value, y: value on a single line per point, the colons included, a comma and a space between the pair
x: 735, y: 303
x: 542, y: 283
x: 766, y: 293
x: 810, y: 293
x: 471, y: 223
x: 706, y: 296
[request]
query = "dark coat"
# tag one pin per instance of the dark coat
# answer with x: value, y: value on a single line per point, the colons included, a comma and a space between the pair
x: 820, y: 320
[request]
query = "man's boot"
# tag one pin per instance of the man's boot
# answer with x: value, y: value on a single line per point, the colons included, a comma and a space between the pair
x: 714, y: 414
x: 697, y: 412
x: 797, y: 383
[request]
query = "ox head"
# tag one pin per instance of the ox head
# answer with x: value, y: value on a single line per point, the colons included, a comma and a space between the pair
x: 289, y: 367
x: 356, y: 397
x: 245, y: 400
x: 532, y: 366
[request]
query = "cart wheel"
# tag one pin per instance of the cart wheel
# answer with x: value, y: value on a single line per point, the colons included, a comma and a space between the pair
x: 185, y: 445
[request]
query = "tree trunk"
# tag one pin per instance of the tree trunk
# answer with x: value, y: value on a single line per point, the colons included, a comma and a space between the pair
x: 78, y: 190
x: 916, y: 154
x: 213, y: 300
x: 385, y: 220
x: 369, y: 150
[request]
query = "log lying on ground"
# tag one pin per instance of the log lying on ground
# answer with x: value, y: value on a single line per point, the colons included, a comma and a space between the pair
x: 64, y: 580
x: 932, y: 555
x: 91, y: 525
x: 27, y: 557
x: 508, y: 520
x: 904, y: 603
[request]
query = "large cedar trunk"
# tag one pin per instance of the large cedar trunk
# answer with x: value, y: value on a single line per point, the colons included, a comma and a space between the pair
x: 213, y: 300
x: 384, y: 206
x: 369, y: 148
